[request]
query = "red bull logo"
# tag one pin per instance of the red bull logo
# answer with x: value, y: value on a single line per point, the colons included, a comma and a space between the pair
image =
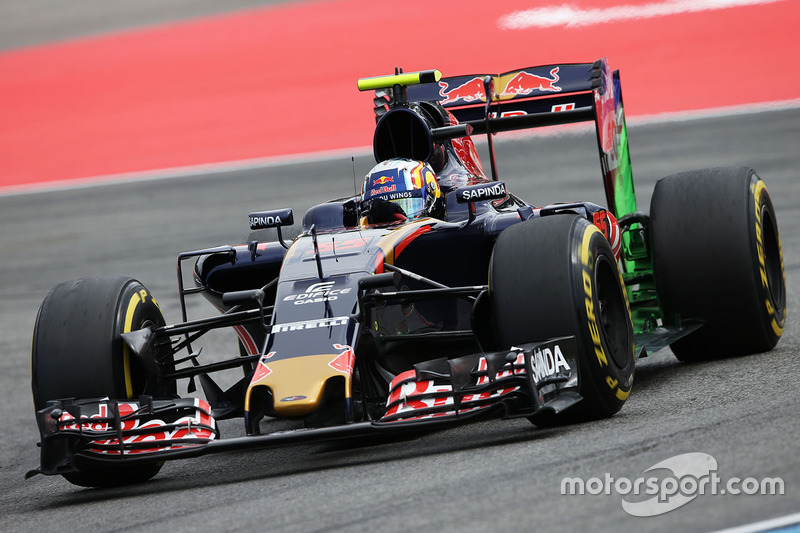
x: 468, y: 92
x: 382, y: 190
x: 344, y: 361
x: 384, y: 179
x: 262, y: 370
x: 524, y: 83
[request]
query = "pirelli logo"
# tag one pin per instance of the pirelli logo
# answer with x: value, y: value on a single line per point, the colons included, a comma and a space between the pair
x: 310, y: 324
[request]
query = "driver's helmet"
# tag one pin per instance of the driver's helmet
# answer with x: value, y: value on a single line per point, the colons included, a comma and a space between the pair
x: 400, y: 189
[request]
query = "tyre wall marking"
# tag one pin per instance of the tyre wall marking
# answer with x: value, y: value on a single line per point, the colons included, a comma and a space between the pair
x: 777, y: 328
x: 589, y: 299
x: 137, y: 298
x: 588, y: 291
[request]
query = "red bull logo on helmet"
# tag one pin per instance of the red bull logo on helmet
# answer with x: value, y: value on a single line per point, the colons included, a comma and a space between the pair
x: 382, y: 183
x: 383, y: 180
x: 524, y: 83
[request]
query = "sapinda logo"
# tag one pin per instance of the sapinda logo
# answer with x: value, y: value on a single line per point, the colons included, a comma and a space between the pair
x: 481, y: 192
x: 269, y: 219
x: 546, y: 362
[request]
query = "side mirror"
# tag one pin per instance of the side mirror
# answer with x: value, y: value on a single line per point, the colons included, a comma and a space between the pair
x: 483, y: 191
x: 276, y: 218
x: 476, y: 193
x: 271, y: 219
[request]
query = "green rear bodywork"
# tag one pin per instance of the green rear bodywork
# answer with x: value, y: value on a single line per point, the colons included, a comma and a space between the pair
x: 637, y: 266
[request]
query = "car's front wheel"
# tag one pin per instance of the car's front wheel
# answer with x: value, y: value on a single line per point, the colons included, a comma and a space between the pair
x: 77, y: 352
x: 557, y: 276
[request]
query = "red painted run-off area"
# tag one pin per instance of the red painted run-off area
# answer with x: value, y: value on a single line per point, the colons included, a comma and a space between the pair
x: 282, y: 80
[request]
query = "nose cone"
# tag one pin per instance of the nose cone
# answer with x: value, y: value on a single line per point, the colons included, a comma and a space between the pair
x: 298, y: 383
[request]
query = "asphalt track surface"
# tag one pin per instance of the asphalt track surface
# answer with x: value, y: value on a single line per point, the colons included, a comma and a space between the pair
x: 492, y: 475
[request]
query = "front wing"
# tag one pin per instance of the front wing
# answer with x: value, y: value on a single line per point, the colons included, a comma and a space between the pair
x: 534, y: 379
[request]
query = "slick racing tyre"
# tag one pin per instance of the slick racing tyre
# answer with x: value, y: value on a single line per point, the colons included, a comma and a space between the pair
x: 717, y: 259
x: 77, y: 352
x: 557, y: 276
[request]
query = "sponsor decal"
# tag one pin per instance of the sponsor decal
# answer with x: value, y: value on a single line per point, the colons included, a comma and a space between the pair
x: 605, y: 106
x: 465, y: 149
x: 383, y: 180
x: 382, y: 190
x: 408, y: 375
x: 322, y: 286
x: 562, y: 107
x: 504, y: 114
x: 483, y: 366
x: 125, y: 409
x: 271, y: 219
x: 185, y: 431
x: 265, y: 221
x: 524, y: 83
x: 588, y: 291
x: 293, y: 398
x: 591, y: 318
x: 410, y: 392
x: 262, y: 370
x: 481, y: 192
x: 344, y: 361
x: 607, y: 223
x: 399, y: 195
x: 470, y: 91
x: 310, y: 324
x: 317, y: 293
x: 546, y: 362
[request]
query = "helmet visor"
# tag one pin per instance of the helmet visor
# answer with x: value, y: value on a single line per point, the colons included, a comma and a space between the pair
x: 412, y: 207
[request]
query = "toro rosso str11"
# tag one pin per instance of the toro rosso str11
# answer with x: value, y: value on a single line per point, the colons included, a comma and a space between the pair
x: 435, y: 296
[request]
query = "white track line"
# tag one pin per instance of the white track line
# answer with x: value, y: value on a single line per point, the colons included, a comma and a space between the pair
x: 571, y: 16
x: 181, y: 172
x: 332, y: 155
x: 766, y: 525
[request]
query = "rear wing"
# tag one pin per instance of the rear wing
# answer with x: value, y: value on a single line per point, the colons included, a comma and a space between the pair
x: 564, y: 87
x: 527, y: 98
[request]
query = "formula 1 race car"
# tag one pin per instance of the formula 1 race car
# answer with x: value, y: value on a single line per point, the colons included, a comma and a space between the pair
x: 433, y: 297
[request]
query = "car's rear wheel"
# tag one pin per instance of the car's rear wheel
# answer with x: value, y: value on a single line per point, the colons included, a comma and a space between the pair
x: 717, y: 259
x: 557, y: 276
x: 77, y: 352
